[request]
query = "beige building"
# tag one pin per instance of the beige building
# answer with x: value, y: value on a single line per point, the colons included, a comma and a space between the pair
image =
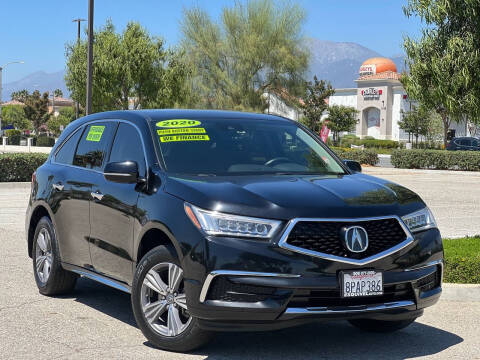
x: 380, y: 100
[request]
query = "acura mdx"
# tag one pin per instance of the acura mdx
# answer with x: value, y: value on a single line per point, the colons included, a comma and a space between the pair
x: 228, y: 221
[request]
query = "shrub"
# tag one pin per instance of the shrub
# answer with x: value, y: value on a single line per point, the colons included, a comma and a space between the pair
x: 462, y: 260
x: 368, y: 156
x: 436, y: 159
x: 19, y: 167
x: 12, y: 132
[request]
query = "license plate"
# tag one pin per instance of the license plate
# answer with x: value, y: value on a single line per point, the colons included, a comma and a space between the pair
x: 361, y: 283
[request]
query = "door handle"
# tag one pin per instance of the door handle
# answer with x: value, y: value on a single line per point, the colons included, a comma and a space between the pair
x: 58, y: 186
x: 97, y: 195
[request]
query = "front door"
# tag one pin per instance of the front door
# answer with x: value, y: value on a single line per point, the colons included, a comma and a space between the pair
x: 373, y: 122
x: 113, y: 210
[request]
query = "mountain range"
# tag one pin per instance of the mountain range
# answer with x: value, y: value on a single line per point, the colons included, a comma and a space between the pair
x: 337, y: 62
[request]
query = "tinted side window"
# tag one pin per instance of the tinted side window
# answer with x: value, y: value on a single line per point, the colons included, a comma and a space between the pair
x: 93, y: 145
x: 128, y: 146
x: 65, y: 154
x: 465, y: 142
x: 475, y: 142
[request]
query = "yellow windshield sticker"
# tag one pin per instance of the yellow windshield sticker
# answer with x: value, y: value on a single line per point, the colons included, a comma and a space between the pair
x: 181, y: 131
x: 178, y: 123
x: 173, y: 138
x: 95, y: 133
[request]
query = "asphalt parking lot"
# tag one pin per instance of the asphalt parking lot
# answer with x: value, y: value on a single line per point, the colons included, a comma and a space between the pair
x: 97, y: 322
x: 453, y: 196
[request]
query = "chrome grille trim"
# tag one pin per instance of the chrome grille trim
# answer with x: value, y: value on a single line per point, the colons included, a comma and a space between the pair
x: 353, y: 309
x: 214, y: 274
x: 283, y: 240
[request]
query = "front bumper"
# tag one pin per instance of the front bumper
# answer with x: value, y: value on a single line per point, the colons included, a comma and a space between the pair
x: 258, y: 286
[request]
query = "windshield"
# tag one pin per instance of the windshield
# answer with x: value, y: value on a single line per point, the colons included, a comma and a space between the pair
x: 240, y: 146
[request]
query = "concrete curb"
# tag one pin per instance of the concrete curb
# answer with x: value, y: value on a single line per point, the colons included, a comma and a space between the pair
x: 14, y: 185
x: 460, y: 292
x: 378, y: 170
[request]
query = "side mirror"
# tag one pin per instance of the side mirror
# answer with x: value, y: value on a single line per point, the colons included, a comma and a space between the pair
x: 125, y: 172
x: 353, y: 165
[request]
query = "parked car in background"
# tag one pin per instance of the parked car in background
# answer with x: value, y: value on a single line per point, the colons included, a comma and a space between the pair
x: 228, y: 221
x: 464, y: 143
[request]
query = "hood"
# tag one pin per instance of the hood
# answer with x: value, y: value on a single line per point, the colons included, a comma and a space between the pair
x: 286, y: 197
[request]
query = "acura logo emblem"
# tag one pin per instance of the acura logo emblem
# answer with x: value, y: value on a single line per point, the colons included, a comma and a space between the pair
x: 356, y: 239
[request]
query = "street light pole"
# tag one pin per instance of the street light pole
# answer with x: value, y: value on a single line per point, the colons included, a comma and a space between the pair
x: 88, y: 109
x: 1, y: 70
x: 78, y: 21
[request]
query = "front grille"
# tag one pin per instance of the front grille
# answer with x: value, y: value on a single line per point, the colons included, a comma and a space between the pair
x: 325, y: 236
x: 429, y: 282
x: 331, y: 297
x: 226, y: 290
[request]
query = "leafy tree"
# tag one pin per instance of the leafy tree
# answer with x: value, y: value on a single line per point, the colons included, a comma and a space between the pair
x: 434, y: 127
x: 132, y: 64
x: 415, y: 122
x: 58, y: 93
x: 15, y: 115
x: 444, y: 63
x: 254, y: 48
x: 19, y: 95
x: 68, y: 113
x: 36, y: 109
x: 340, y: 118
x: 315, y: 102
x: 66, y: 116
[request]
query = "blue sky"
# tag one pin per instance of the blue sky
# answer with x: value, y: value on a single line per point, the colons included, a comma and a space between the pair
x: 36, y: 31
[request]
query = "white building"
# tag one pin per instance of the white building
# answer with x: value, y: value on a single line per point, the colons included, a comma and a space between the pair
x: 379, y: 98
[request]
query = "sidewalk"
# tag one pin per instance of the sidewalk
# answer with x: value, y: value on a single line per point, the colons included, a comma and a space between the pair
x: 24, y: 149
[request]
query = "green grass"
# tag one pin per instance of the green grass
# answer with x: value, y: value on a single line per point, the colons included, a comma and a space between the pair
x: 462, y: 260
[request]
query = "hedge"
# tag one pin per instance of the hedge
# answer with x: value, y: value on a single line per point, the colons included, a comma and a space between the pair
x: 43, y: 140
x: 19, y: 167
x: 436, y: 159
x: 462, y: 260
x: 368, y: 156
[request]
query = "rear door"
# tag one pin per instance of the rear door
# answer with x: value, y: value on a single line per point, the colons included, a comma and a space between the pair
x: 113, y: 210
x: 70, y: 199
x: 465, y: 144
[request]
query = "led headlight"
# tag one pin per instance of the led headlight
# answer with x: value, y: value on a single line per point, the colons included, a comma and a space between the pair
x: 420, y: 220
x: 215, y: 223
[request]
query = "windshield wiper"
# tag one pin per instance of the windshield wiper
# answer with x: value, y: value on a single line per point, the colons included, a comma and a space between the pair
x: 307, y: 173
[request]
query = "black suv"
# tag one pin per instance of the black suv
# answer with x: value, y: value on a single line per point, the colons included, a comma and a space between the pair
x: 464, y: 143
x: 217, y: 221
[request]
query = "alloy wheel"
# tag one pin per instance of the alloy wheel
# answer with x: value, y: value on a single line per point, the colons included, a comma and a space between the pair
x: 163, y: 300
x: 43, y: 255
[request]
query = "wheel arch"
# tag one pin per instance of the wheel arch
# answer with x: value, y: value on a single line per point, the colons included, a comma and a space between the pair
x: 40, y: 210
x: 155, y: 234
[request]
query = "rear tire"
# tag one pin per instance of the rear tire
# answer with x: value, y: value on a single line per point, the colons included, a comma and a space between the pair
x: 50, y: 277
x: 160, y: 306
x: 380, y: 326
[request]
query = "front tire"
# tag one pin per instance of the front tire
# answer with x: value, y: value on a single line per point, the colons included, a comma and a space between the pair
x: 50, y: 277
x: 159, y: 303
x: 380, y: 326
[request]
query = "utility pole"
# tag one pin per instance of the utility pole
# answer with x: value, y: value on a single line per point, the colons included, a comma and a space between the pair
x: 1, y: 70
x: 88, y: 109
x: 78, y: 21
